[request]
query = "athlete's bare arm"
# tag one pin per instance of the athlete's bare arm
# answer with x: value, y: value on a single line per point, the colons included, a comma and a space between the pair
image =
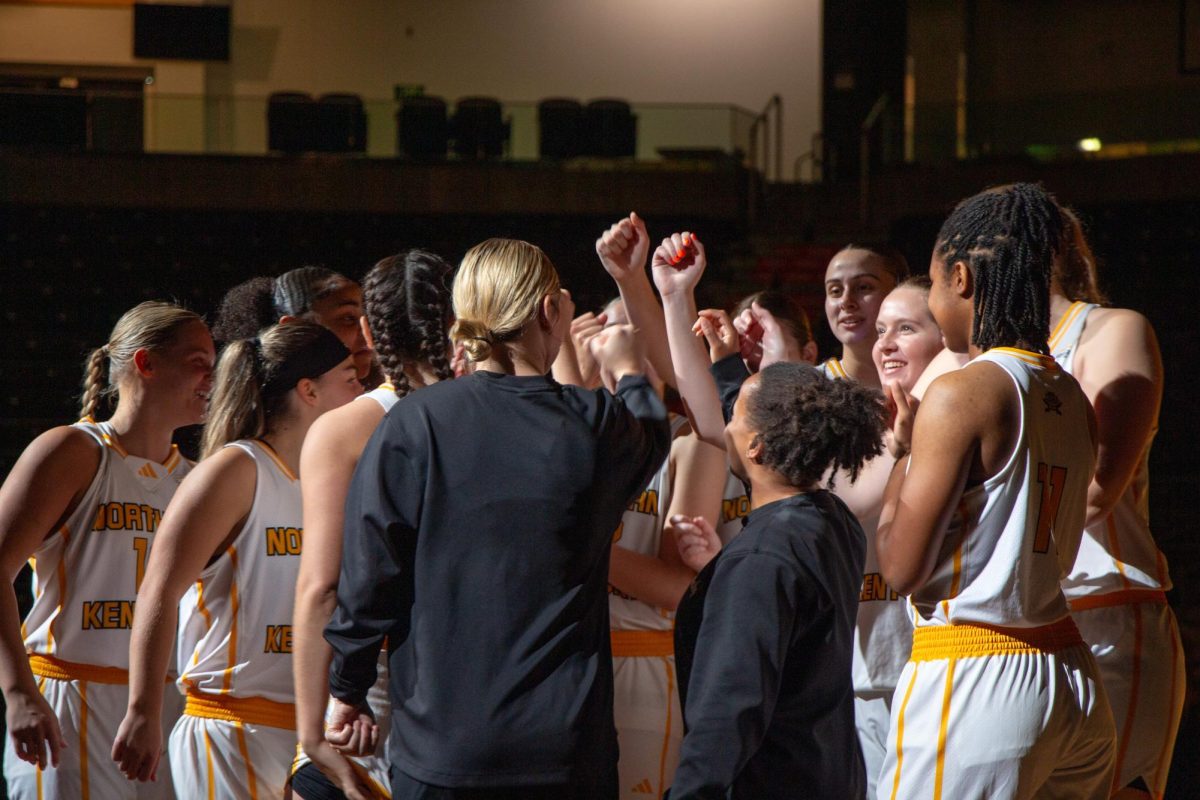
x: 203, y: 518
x: 965, y: 430
x: 40, y: 493
x: 1119, y: 367
x: 331, y: 451
x: 676, y: 278
x: 698, y: 481
x: 623, y: 249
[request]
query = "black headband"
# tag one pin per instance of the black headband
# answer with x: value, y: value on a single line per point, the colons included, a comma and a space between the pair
x: 316, y: 358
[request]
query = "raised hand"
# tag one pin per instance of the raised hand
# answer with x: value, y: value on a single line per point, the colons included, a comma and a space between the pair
x: 697, y: 541
x: 902, y: 408
x: 623, y: 248
x: 678, y: 263
x: 618, y: 352
x: 583, y: 328
x: 33, y: 725
x: 777, y: 346
x: 718, y: 330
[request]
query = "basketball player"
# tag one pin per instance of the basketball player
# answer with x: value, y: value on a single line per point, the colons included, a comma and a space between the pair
x: 230, y: 549
x: 856, y: 281
x: 1001, y: 698
x: 646, y: 575
x: 1117, y: 586
x: 315, y: 294
x: 407, y: 304
x: 84, y: 502
x: 907, y: 340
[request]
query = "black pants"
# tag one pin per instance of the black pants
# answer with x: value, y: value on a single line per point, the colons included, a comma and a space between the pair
x: 407, y: 788
x: 309, y: 783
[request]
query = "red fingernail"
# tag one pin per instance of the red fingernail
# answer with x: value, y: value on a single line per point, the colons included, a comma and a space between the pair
x: 681, y: 253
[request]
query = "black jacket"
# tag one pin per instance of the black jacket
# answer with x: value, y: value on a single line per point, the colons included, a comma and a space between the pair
x: 477, y: 536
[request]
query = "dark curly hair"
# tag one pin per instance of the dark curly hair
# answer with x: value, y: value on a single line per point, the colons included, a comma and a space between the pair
x: 1009, y: 237
x: 258, y: 303
x: 808, y: 424
x: 406, y: 298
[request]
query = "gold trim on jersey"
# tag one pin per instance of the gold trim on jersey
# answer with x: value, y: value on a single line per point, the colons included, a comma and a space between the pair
x: 284, y: 468
x: 252, y: 710
x: 1124, y: 597
x: 227, y: 678
x: 835, y: 366
x: 1065, y: 323
x: 940, y: 642
x: 1029, y: 357
x: 62, y: 587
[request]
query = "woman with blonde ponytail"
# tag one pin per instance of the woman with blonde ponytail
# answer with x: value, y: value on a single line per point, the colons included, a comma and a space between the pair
x: 83, y: 502
x: 477, y: 531
x: 229, y: 548
x: 407, y: 299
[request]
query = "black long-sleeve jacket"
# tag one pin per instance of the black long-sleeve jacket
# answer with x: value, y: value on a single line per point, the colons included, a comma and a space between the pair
x: 478, y: 527
x: 763, y: 650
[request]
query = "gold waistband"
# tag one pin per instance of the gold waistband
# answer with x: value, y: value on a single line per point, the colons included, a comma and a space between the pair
x: 252, y: 710
x: 643, y: 644
x: 46, y: 666
x: 935, y: 642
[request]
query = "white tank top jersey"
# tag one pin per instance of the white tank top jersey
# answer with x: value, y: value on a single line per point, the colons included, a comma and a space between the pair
x: 1017, y: 533
x: 236, y: 619
x: 735, y: 505
x: 1118, y: 553
x: 86, y: 574
x: 883, y: 629
x: 832, y: 368
x: 640, y: 531
x: 384, y: 394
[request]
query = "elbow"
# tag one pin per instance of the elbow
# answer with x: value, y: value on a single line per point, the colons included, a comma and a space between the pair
x: 901, y: 578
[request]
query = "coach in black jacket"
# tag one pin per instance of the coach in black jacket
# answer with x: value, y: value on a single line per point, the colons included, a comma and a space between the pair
x: 477, y: 540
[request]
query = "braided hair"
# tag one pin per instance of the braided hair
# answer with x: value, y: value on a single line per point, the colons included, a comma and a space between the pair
x: 809, y: 425
x: 1008, y: 237
x: 257, y: 304
x: 406, y: 298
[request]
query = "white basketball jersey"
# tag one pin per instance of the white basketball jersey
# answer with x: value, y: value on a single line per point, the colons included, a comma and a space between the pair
x: 832, y: 368
x: 1117, y: 553
x: 236, y: 619
x: 641, y: 532
x: 883, y: 629
x: 735, y: 505
x: 384, y: 394
x: 1016, y: 535
x: 86, y: 574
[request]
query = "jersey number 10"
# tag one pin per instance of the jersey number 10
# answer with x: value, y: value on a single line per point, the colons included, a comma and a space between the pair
x: 1052, y: 480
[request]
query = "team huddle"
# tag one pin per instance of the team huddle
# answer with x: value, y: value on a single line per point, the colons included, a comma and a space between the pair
x: 447, y: 538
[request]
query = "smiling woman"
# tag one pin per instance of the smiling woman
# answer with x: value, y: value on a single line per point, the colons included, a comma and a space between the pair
x: 856, y: 281
x: 158, y: 364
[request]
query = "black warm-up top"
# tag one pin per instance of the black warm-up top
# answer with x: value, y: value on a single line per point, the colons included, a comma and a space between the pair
x: 478, y: 527
x: 763, y: 649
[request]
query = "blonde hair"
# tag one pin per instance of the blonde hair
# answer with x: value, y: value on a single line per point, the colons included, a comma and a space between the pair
x: 497, y: 291
x: 240, y: 408
x: 152, y: 325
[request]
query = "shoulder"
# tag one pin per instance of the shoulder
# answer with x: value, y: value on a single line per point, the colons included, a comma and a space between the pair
x: 65, y: 450
x: 343, y: 430
x: 945, y: 361
x: 224, y: 471
x: 976, y: 391
x: 1121, y: 334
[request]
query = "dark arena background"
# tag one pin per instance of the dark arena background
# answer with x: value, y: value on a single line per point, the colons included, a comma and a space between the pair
x: 142, y: 162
